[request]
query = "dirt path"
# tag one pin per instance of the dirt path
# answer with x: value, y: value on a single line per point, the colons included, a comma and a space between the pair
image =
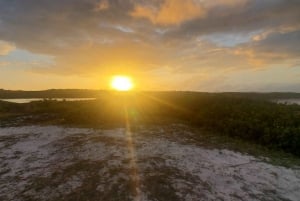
x: 56, y: 163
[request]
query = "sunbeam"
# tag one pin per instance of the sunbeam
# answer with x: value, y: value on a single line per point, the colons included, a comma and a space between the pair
x: 133, y: 158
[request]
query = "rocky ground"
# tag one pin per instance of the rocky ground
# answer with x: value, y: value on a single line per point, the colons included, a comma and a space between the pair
x: 149, y: 163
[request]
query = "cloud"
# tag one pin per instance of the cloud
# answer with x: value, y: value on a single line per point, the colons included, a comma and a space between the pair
x: 276, y: 48
x: 170, y: 12
x: 102, y: 5
x: 6, y: 48
x: 4, y: 63
x: 99, y: 37
x: 221, y: 4
x: 244, y: 17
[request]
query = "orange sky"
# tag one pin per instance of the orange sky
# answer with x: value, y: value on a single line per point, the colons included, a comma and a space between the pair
x: 203, y: 45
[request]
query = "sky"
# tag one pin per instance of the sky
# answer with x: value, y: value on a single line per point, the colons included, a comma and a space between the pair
x: 194, y: 45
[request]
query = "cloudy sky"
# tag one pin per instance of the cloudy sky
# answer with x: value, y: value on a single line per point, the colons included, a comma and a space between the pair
x: 204, y: 45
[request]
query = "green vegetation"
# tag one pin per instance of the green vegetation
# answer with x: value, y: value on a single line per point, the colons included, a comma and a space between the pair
x: 250, y: 118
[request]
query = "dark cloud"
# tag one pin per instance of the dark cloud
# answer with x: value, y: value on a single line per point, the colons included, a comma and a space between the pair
x: 275, y: 48
x: 94, y: 35
x: 48, y: 26
x: 280, y: 43
x: 254, y: 15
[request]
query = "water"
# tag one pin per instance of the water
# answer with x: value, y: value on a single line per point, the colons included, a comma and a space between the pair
x: 289, y: 101
x: 28, y: 100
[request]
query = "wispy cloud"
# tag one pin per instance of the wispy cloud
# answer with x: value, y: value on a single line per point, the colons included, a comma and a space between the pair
x: 102, y: 5
x: 169, y: 12
x: 92, y: 37
x: 6, y: 48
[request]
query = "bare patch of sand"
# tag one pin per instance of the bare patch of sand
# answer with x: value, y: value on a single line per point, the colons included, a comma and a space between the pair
x: 52, y: 163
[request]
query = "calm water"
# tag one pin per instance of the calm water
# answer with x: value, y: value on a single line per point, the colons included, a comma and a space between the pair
x: 28, y: 100
x: 289, y: 101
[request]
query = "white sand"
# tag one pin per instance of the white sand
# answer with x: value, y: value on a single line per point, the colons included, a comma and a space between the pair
x: 207, y: 174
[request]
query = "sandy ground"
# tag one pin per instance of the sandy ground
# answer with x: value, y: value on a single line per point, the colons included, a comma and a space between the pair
x: 157, y: 163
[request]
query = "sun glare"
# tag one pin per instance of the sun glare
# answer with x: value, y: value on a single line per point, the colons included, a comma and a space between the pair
x: 121, y: 83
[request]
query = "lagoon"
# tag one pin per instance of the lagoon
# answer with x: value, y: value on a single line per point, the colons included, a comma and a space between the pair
x: 288, y: 101
x: 28, y: 100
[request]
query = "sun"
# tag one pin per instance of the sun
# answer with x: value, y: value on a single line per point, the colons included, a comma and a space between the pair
x: 121, y: 83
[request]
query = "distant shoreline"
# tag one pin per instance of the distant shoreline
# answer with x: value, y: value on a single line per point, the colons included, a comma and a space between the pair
x: 28, y: 100
x: 89, y: 93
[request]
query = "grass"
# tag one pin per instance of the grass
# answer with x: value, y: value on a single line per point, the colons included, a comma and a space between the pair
x: 252, y: 120
x: 212, y: 139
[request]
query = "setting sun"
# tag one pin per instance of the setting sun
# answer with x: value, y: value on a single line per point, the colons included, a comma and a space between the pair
x: 121, y: 83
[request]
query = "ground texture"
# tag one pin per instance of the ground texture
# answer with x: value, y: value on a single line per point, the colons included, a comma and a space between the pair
x: 153, y: 163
